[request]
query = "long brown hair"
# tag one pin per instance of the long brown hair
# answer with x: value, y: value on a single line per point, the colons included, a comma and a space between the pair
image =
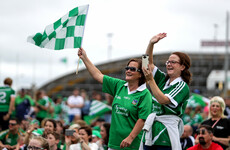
x: 139, y: 61
x: 184, y: 60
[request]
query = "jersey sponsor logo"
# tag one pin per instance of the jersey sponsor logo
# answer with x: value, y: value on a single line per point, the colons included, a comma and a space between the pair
x: 121, y: 110
x: 134, y: 102
x: 125, y: 97
x: 8, y: 140
x: 157, y: 109
x: 5, y: 90
x: 118, y: 97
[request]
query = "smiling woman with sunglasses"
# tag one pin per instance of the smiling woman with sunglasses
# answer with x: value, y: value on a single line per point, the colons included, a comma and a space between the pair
x: 131, y: 104
x: 170, y: 93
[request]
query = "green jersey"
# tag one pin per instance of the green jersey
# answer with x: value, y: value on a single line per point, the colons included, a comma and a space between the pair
x: 127, y: 108
x: 178, y: 93
x: 8, y: 138
x: 49, y: 102
x: 186, y: 119
x: 6, y: 93
x: 197, y: 119
x: 42, y: 113
x: 19, y: 100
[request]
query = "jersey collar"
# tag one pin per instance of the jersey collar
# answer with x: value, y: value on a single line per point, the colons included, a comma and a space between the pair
x: 167, y: 85
x: 140, y: 88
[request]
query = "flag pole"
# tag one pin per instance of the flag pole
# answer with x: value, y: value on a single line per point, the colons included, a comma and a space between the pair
x: 78, y: 65
x: 226, y: 56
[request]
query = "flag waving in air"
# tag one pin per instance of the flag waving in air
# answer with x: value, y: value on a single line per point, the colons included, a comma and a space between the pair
x: 66, y: 32
x: 97, y: 109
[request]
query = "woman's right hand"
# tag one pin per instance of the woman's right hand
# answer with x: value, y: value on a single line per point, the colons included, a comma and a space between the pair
x: 81, y: 53
x: 157, y: 38
x: 148, y: 73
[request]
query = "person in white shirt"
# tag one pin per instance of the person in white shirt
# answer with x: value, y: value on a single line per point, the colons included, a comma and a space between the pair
x: 84, y: 136
x: 75, y: 103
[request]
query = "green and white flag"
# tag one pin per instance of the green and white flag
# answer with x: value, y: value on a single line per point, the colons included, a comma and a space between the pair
x: 96, y: 110
x: 66, y: 32
x: 196, y: 99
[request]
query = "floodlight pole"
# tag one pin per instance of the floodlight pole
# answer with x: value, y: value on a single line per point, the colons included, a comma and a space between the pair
x: 109, y: 35
x: 226, y: 56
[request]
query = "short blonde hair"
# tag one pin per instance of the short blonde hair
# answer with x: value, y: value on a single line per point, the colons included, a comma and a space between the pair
x: 219, y: 100
x: 44, y: 142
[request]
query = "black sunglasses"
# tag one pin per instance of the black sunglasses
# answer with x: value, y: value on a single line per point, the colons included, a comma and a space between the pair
x: 202, y: 131
x: 33, y: 148
x: 133, y: 69
x: 12, y: 124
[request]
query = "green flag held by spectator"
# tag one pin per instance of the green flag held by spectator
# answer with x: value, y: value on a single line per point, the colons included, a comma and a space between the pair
x: 97, y: 109
x: 66, y: 32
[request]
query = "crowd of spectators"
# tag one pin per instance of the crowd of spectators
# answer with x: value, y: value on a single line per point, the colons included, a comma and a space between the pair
x: 40, y: 122
x: 212, y: 119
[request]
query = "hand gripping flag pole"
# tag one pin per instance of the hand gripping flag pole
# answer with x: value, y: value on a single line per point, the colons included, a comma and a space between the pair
x: 66, y: 32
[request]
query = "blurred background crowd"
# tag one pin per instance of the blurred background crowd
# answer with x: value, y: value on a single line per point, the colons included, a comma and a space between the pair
x: 58, y: 119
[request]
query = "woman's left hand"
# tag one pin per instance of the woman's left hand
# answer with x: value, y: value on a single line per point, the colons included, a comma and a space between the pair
x: 126, y: 142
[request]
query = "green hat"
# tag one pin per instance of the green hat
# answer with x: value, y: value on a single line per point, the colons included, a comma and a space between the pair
x: 38, y: 132
x: 65, y: 99
x: 96, y: 134
x: 96, y: 128
x: 35, y: 121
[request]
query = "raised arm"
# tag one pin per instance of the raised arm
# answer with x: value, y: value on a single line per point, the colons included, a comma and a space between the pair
x: 94, y: 72
x: 159, y: 95
x: 150, y: 47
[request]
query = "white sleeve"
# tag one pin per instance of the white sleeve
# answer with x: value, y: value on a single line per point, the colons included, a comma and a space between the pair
x: 154, y: 70
x: 94, y: 146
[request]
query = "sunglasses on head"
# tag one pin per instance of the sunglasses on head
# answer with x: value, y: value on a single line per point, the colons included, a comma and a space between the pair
x: 33, y: 148
x: 133, y: 69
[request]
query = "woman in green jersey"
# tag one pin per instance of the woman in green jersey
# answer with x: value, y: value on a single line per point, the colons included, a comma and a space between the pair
x: 131, y: 104
x: 170, y: 92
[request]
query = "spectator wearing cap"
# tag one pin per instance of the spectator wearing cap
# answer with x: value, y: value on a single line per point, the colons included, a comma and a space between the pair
x: 96, y: 138
x: 9, y: 137
x: 205, y: 136
x: 33, y: 128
